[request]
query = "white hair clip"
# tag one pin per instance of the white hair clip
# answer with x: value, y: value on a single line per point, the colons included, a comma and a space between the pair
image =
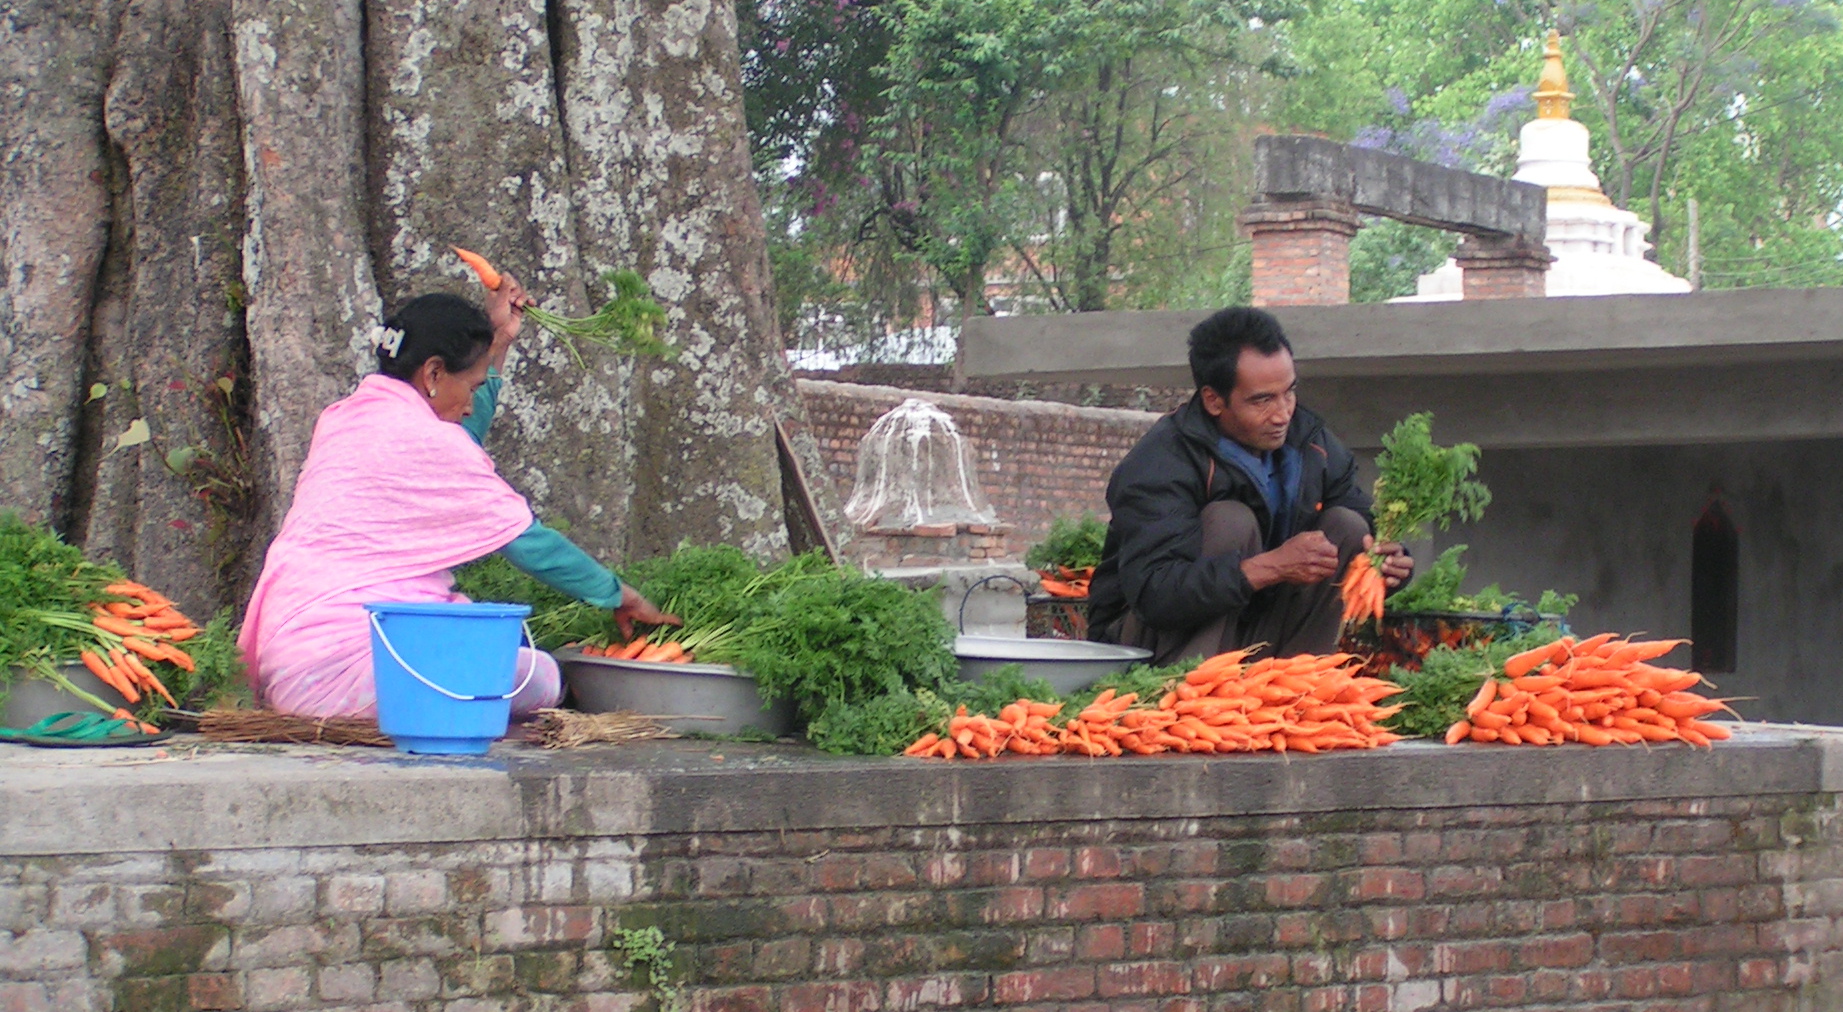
x: 387, y: 340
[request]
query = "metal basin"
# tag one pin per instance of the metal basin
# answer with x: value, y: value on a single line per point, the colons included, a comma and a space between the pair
x: 713, y: 698
x: 1067, y: 665
x: 32, y: 699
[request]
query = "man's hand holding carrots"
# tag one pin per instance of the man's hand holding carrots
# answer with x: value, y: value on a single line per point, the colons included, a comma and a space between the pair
x: 1396, y: 565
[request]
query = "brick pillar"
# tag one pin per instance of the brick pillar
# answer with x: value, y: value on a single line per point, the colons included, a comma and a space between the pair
x: 1301, y: 251
x: 1503, y: 268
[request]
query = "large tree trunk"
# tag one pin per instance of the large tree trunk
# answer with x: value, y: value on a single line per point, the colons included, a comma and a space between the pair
x: 652, y: 97
x: 477, y: 77
x: 174, y: 509
x: 54, y: 226
x: 207, y: 205
x: 306, y: 264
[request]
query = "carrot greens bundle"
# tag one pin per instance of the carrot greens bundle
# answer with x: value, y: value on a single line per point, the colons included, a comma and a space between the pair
x: 1419, y: 486
x: 627, y: 324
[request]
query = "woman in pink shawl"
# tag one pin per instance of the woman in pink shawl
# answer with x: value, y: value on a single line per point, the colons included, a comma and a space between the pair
x: 396, y: 491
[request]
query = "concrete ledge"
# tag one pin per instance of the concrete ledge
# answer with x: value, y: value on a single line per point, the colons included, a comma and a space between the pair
x: 1506, y: 336
x: 1049, y: 410
x: 209, y: 797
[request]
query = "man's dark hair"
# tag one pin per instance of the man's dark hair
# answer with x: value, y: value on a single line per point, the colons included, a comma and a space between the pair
x: 1216, y: 344
x: 437, y: 325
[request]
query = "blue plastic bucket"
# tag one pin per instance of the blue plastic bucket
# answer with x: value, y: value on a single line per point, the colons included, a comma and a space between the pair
x: 445, y: 673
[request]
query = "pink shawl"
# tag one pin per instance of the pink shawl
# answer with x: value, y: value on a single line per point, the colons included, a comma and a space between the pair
x: 391, y: 498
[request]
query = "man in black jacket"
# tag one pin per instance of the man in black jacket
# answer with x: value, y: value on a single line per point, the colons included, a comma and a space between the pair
x: 1236, y: 515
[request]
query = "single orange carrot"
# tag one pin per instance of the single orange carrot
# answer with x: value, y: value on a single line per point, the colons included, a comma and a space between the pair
x: 146, y: 648
x: 120, y: 627
x: 1529, y: 660
x: 633, y: 649
x: 653, y: 653
x: 673, y: 652
x: 1486, y: 695
x: 488, y: 276
x: 140, y: 725
x: 177, y: 656
x: 128, y: 588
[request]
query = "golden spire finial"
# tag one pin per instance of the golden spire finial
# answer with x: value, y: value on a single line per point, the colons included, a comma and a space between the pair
x: 1552, y: 94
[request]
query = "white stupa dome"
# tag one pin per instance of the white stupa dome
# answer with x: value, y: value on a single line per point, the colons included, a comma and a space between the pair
x: 1599, y: 249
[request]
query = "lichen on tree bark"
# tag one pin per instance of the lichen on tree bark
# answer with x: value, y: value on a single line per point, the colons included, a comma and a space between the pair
x: 476, y: 78
x: 660, y: 153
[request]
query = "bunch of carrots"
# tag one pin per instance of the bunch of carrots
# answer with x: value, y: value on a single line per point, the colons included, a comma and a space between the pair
x: 638, y: 649
x: 1310, y: 703
x: 1598, y: 691
x: 1363, y: 589
x: 130, y: 637
x: 627, y: 323
x: 1065, y: 582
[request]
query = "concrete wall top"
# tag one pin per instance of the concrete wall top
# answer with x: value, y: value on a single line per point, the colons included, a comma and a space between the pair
x: 1395, y: 186
x: 1433, y: 339
x: 291, y: 796
x: 1051, y: 410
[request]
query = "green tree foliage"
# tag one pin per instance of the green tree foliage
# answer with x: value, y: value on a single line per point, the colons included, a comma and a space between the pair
x: 1066, y: 143
x: 1132, y: 132
x: 1089, y: 154
x: 1388, y: 257
x: 1734, y: 103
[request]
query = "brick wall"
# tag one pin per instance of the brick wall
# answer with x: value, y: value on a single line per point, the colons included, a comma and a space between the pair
x: 1036, y: 460
x: 1687, y: 905
x: 1503, y: 268
x: 1301, y: 254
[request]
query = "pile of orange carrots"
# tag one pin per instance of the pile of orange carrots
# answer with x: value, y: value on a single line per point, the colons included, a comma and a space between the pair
x: 1363, y: 589
x: 131, y: 633
x: 1065, y: 582
x: 1597, y: 691
x: 638, y: 649
x: 1309, y: 703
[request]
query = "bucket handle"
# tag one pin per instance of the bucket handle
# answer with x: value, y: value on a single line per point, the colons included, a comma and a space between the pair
x: 530, y: 669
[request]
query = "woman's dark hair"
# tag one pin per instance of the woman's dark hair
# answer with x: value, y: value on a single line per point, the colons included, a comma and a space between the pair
x: 1216, y: 344
x: 441, y: 326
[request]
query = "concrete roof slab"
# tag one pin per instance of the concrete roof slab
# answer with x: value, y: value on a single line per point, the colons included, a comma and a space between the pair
x: 1452, y: 338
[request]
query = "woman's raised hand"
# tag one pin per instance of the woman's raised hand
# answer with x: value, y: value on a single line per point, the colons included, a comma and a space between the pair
x: 635, y: 608
x: 505, y: 309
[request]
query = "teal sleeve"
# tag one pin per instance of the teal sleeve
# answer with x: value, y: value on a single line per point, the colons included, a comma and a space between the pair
x: 486, y: 401
x: 556, y: 562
